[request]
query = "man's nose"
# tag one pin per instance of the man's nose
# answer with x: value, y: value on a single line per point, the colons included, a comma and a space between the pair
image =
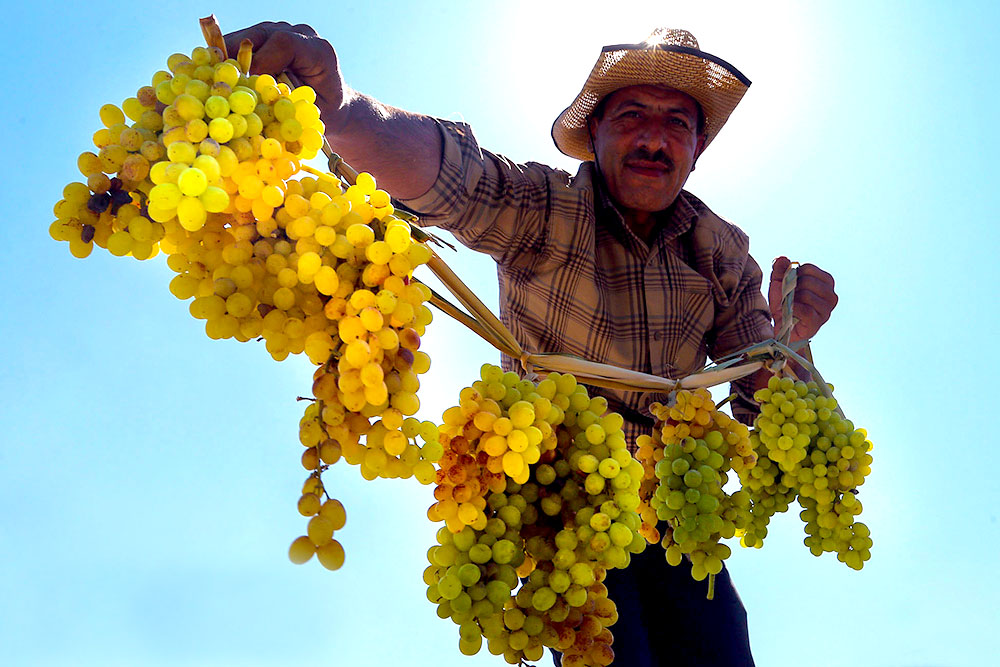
x: 652, y: 137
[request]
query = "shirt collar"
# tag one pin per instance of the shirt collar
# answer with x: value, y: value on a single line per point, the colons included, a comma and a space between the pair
x: 674, y: 221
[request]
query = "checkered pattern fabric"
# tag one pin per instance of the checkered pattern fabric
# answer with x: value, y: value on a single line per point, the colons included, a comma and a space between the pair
x: 575, y: 280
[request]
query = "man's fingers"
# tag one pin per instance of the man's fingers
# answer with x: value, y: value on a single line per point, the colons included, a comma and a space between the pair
x: 813, y: 301
x: 820, y: 289
x: 257, y: 34
x: 282, y: 46
x: 304, y: 29
x: 813, y: 272
x: 278, y: 53
x: 809, y: 277
x: 812, y: 306
x: 779, y: 267
x: 811, y: 311
x: 807, y: 324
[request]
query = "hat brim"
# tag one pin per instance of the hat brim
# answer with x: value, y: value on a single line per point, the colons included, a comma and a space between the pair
x: 715, y: 84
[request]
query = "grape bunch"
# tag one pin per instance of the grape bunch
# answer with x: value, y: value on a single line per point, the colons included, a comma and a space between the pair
x: 687, y: 460
x: 538, y: 495
x: 204, y: 164
x: 202, y: 138
x: 815, y: 456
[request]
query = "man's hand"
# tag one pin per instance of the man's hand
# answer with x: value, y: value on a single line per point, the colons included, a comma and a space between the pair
x: 812, y: 303
x: 400, y: 149
x: 280, y: 47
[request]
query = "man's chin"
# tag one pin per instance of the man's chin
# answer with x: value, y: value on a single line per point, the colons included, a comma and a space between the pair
x: 648, y: 202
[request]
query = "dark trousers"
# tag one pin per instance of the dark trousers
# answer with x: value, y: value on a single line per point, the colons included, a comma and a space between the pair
x: 664, y: 618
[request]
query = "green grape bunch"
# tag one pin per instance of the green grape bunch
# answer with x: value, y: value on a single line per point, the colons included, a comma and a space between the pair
x: 688, y: 458
x: 816, y: 456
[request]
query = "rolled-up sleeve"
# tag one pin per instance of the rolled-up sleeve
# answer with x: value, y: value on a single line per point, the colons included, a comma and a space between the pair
x: 488, y: 202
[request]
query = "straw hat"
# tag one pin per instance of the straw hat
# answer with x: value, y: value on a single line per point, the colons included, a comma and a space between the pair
x: 669, y: 57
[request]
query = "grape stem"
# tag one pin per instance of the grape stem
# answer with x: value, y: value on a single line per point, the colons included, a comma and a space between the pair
x: 727, y: 399
x: 788, y: 320
x: 711, y: 587
x: 456, y: 313
x: 213, y: 34
x: 802, y: 361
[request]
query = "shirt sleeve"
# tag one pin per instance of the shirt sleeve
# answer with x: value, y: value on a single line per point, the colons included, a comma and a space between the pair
x: 488, y: 202
x: 721, y: 253
x: 745, y: 322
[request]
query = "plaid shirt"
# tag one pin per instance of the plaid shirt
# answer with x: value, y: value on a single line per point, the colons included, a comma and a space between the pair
x: 574, y: 279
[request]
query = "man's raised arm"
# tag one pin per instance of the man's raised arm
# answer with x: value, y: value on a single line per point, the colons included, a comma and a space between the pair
x: 401, y: 149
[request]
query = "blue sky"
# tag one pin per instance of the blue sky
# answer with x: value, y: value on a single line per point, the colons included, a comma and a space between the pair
x: 148, y: 475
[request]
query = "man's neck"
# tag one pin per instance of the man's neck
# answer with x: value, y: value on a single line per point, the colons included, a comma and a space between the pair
x: 643, y: 224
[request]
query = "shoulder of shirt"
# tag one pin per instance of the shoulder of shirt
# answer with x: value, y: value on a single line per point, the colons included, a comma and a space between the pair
x: 726, y: 234
x: 462, y: 132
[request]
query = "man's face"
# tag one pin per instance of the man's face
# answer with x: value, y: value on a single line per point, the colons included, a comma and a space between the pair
x: 646, y: 144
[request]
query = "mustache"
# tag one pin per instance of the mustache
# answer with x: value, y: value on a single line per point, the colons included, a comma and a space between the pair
x: 646, y: 156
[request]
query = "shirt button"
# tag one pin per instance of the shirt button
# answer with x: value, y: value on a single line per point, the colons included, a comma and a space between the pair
x: 657, y: 335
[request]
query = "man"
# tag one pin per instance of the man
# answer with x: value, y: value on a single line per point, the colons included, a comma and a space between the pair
x: 618, y: 264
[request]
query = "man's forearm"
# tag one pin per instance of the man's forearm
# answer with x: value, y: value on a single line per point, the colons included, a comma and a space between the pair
x: 402, y: 150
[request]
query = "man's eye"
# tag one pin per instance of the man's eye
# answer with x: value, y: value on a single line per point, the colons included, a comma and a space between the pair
x: 679, y: 122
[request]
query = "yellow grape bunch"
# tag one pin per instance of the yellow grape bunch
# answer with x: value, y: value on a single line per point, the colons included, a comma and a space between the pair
x: 538, y: 495
x: 203, y: 137
x: 687, y: 462
x: 204, y: 164
x: 813, y: 454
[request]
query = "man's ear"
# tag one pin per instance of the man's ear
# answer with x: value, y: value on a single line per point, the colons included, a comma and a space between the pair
x: 702, y: 138
x: 591, y: 131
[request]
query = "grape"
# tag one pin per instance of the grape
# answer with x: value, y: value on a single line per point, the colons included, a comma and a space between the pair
x: 301, y: 550
x: 192, y: 181
x: 331, y: 555
x: 309, y: 504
